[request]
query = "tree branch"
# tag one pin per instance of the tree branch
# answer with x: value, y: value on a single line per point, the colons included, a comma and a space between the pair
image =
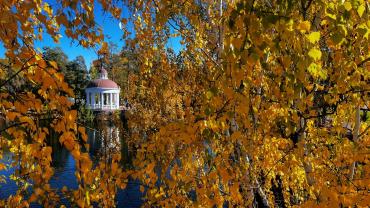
x: 363, y: 61
x: 14, y: 75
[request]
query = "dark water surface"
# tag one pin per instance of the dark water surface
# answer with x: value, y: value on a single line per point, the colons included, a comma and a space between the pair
x: 105, y: 138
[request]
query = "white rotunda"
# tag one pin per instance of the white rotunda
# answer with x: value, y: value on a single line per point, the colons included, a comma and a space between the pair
x: 102, y: 94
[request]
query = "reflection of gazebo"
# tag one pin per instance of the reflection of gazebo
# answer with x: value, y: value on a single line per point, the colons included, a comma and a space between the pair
x: 103, y: 93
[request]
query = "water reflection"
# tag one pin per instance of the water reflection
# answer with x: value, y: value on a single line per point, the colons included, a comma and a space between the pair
x: 104, y: 139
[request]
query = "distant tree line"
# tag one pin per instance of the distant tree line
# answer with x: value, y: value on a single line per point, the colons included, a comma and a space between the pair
x: 75, y: 71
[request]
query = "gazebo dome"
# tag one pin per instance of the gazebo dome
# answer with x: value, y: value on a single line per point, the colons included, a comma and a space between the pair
x: 102, y: 93
x: 103, y: 83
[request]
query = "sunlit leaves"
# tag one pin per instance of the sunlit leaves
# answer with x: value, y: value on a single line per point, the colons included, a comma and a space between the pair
x: 34, y: 95
x: 347, y: 5
x: 315, y: 54
x: 316, y: 71
x: 304, y: 26
x: 313, y: 37
x: 361, y: 9
x: 104, y: 48
x: 254, y: 105
x: 283, y: 66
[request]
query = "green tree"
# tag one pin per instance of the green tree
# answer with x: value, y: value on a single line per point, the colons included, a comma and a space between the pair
x: 76, y: 76
x: 75, y: 71
x: 58, y: 56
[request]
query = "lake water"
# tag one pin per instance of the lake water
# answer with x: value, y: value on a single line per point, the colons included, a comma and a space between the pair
x: 106, y: 137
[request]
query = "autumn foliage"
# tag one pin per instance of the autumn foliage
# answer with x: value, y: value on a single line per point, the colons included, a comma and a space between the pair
x: 267, y: 104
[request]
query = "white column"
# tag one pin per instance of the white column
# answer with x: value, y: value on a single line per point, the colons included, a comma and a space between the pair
x: 110, y: 100
x: 117, y: 100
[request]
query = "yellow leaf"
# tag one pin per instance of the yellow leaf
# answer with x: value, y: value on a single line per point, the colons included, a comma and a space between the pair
x: 33, y: 198
x: 81, y: 203
x: 25, y: 119
x: 157, y: 195
x: 38, y: 191
x: 11, y: 115
x: 304, y: 26
x: 209, y: 95
x: 314, y: 37
x: 315, y: 54
x: 236, y: 135
x: 347, y: 5
x: 316, y: 71
x: 82, y: 133
x: 53, y: 64
x: 114, y: 167
x: 360, y: 10
x: 87, y: 197
x: 104, y: 48
x: 48, y: 9
x: 2, y: 166
x: 42, y: 63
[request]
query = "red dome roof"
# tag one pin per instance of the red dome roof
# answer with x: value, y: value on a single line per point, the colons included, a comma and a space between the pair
x: 103, y: 83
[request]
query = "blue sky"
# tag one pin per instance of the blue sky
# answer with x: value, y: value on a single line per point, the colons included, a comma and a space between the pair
x: 112, y: 33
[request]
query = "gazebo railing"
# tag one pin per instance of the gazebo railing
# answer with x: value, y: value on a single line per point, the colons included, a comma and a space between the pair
x: 102, y: 107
